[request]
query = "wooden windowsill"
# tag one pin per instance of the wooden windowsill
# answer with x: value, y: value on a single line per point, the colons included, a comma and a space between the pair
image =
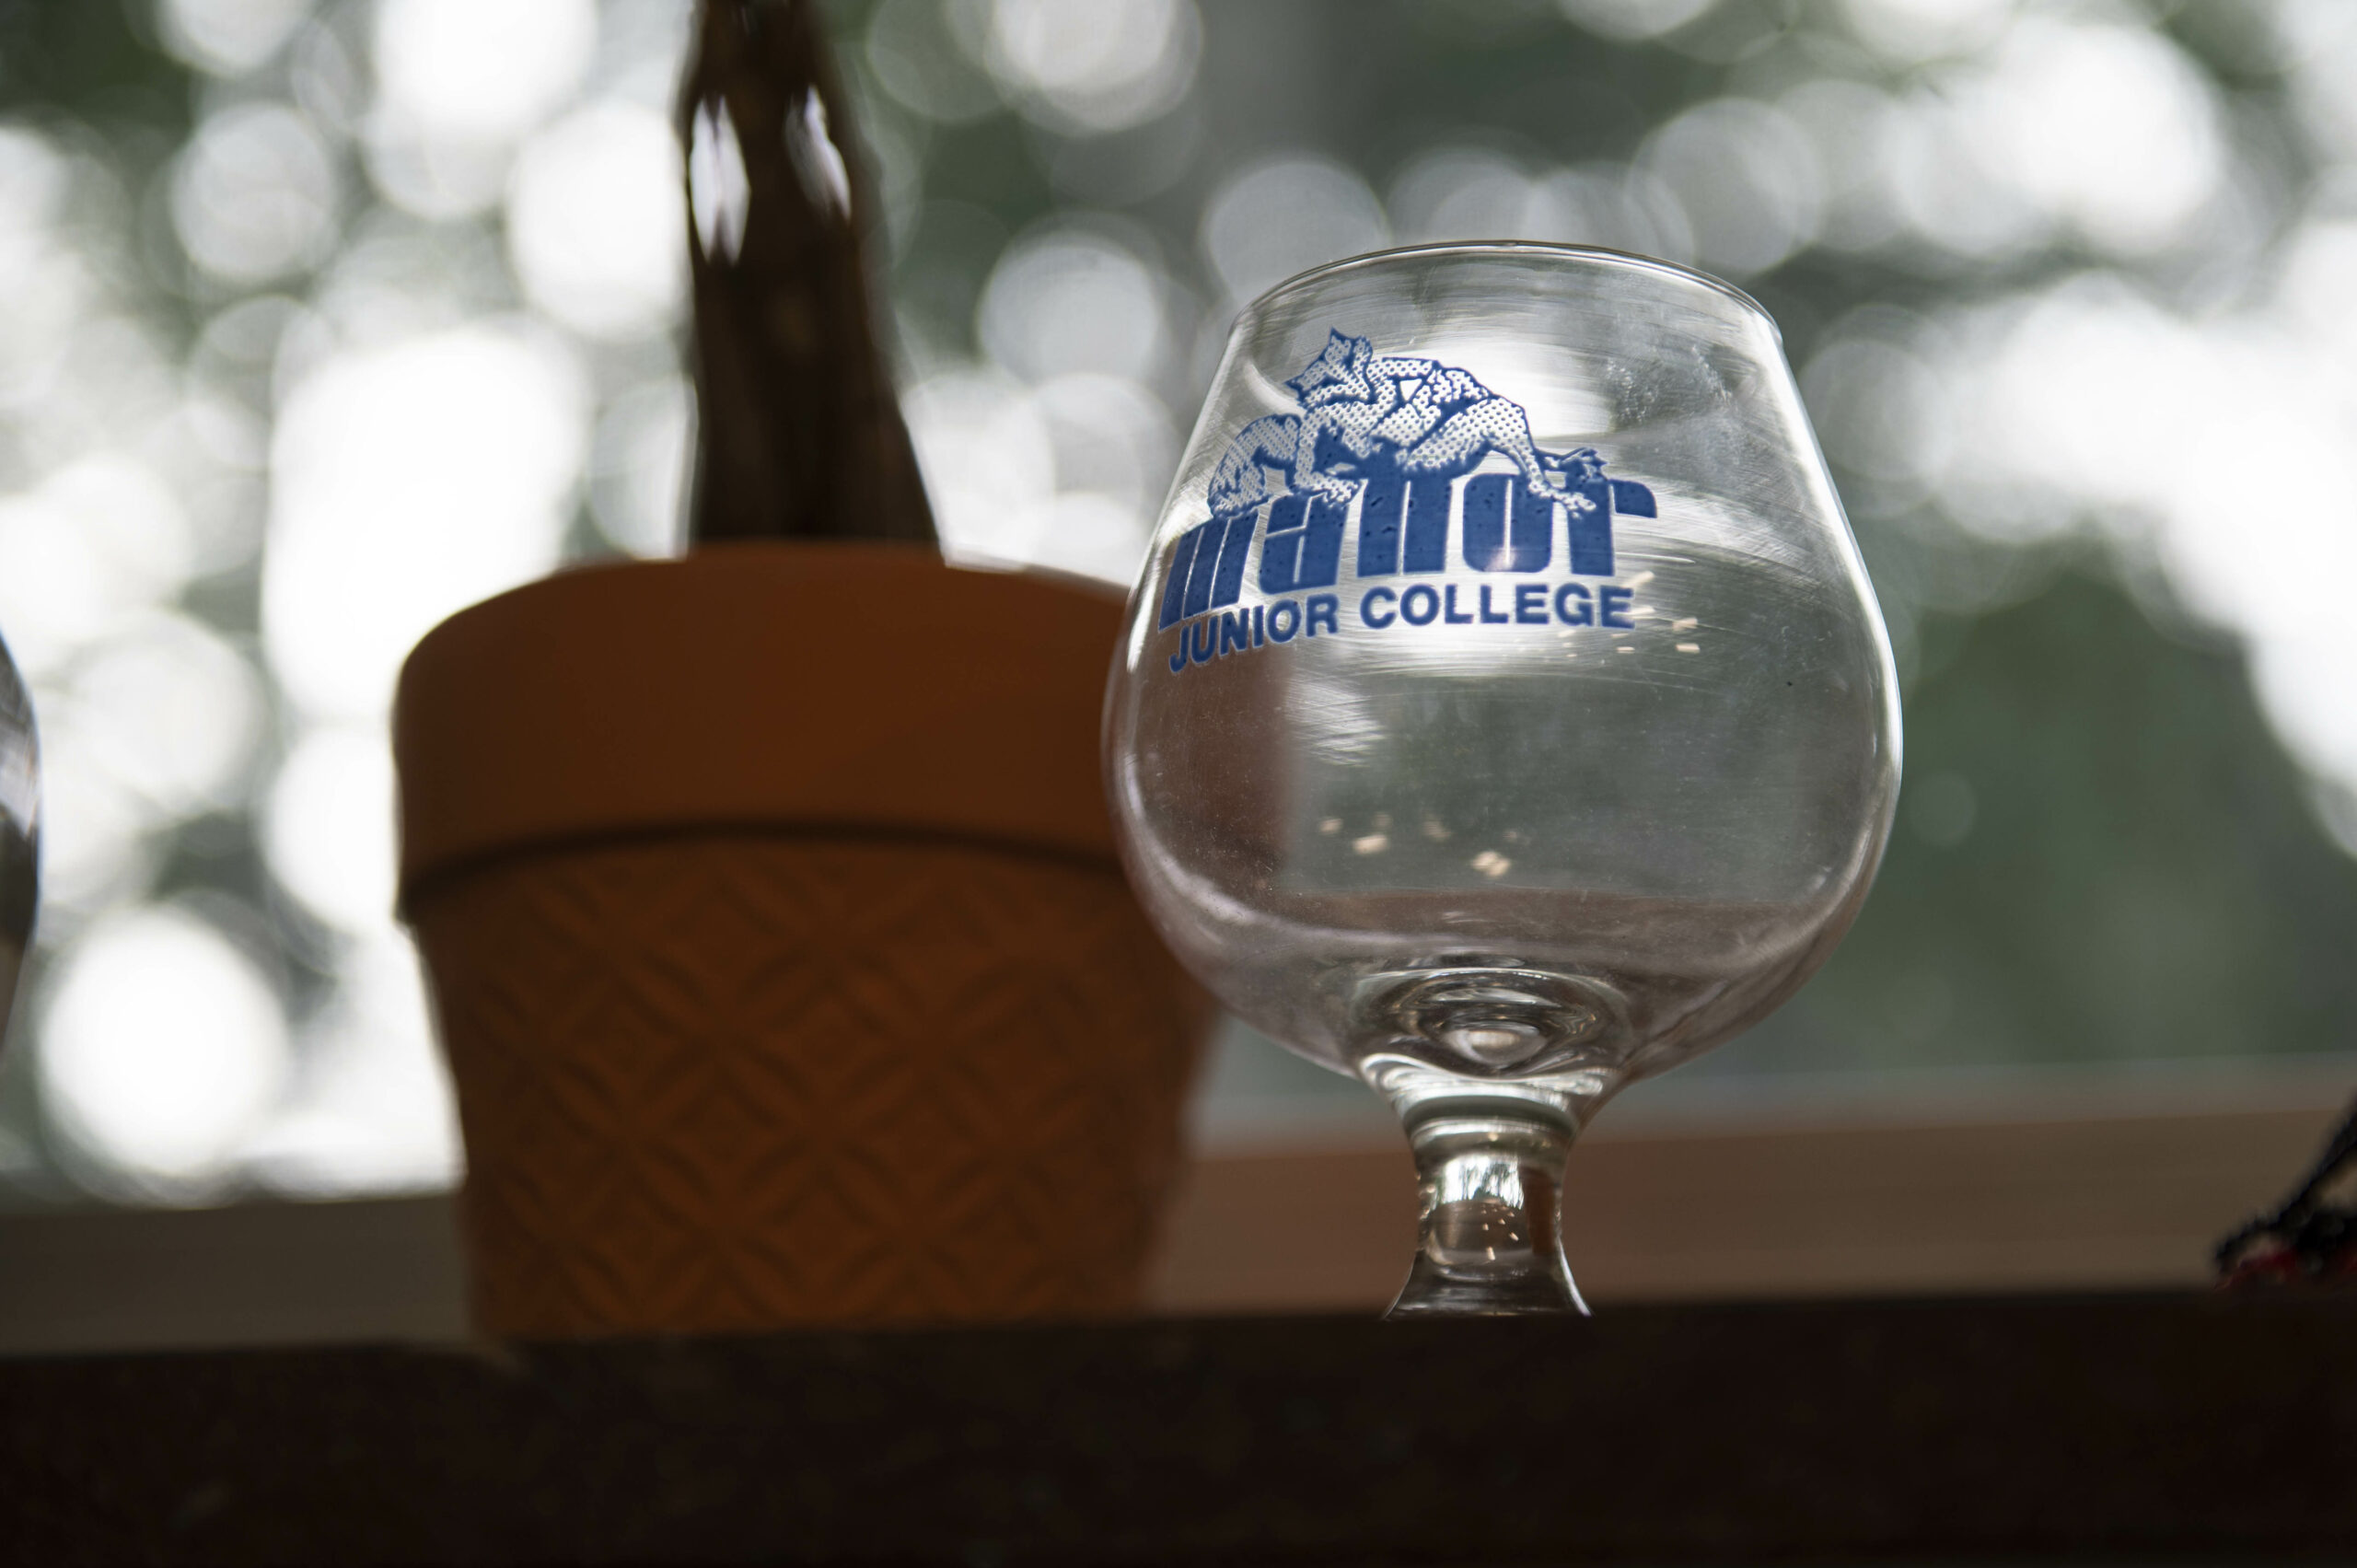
x: 2060, y: 1196
x: 1903, y: 1205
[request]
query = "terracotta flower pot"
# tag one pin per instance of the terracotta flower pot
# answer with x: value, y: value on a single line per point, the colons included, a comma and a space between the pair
x: 778, y: 946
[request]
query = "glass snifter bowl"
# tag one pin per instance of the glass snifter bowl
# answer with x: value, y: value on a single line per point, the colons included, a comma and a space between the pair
x: 1503, y: 714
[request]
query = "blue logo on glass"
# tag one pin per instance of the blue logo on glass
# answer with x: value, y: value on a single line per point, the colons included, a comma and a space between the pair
x: 1397, y: 443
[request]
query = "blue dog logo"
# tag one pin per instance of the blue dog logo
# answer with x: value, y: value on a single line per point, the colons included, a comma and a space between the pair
x: 1389, y: 439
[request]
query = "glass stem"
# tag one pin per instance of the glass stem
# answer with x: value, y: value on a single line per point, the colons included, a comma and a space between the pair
x: 1490, y: 1242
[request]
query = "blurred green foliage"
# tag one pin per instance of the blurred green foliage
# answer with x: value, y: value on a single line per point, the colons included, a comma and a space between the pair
x: 2103, y: 853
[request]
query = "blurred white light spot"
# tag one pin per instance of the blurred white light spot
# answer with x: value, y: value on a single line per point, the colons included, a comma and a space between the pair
x: 101, y: 539
x: 437, y: 180
x: 1633, y: 18
x: 2303, y: 681
x: 990, y: 465
x: 1071, y: 301
x: 1909, y: 30
x: 1064, y: 475
x: 411, y: 482
x: 325, y: 77
x: 254, y: 195
x: 1851, y: 127
x: 50, y: 286
x: 2315, y: 291
x: 593, y: 221
x: 482, y: 70
x: 2094, y: 392
x: 94, y: 851
x: 642, y: 49
x: 329, y: 826
x: 895, y: 166
x: 1095, y: 64
x: 1880, y: 411
x: 229, y: 37
x: 912, y: 53
x: 2094, y: 396
x: 2318, y: 39
x: 1111, y: 438
x: 161, y: 1047
x: 1943, y: 168
x: 1460, y: 193
x: 1608, y: 204
x: 1089, y: 536
x: 2109, y: 128
x: 459, y: 83
x: 1286, y: 215
x: 638, y: 467
x: 172, y: 711
x: 375, y: 1113
x: 719, y: 194
x: 34, y: 177
x: 1747, y: 180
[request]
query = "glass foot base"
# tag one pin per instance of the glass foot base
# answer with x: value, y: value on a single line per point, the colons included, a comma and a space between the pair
x: 1430, y: 1293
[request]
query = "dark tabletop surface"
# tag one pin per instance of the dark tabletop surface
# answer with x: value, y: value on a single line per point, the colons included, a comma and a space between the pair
x: 2142, y: 1429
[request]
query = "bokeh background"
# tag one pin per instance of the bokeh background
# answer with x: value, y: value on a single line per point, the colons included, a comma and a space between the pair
x: 321, y: 318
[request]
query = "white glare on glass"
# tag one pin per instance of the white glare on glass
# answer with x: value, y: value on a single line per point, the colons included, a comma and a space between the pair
x: 1503, y: 714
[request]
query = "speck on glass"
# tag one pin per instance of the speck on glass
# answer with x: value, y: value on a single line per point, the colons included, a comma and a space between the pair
x: 1503, y: 714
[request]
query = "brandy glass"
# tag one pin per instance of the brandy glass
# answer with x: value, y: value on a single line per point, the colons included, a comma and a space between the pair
x: 1503, y: 714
